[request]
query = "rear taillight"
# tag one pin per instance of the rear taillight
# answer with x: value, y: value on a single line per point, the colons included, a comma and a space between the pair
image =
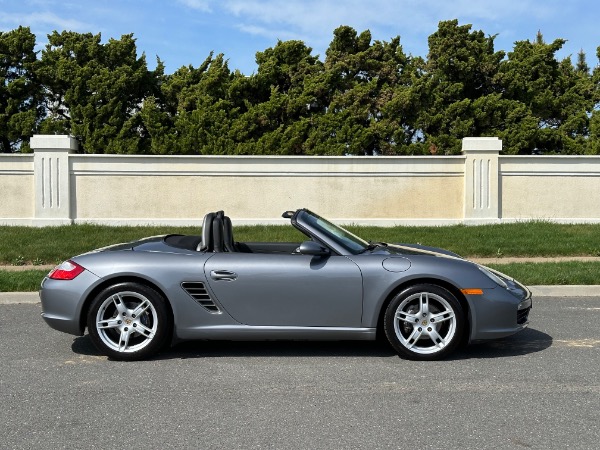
x: 66, y: 271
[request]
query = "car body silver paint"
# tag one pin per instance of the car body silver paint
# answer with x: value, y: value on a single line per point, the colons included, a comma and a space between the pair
x: 288, y: 290
x: 254, y: 333
x: 396, y: 264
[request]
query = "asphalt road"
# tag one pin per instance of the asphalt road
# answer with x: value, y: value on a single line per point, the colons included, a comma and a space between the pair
x: 538, y: 389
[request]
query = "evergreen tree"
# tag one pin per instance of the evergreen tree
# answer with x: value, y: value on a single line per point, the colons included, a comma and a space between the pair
x: 20, y: 94
x: 582, y: 66
x: 557, y: 99
x: 192, y: 112
x: 366, y: 97
x: 368, y: 85
x: 284, y: 96
x: 458, y: 91
x: 94, y: 91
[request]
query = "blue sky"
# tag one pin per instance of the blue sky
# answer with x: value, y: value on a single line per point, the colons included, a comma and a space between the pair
x: 183, y: 32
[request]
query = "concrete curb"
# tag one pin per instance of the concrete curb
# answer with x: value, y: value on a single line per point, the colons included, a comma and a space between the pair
x: 46, y: 267
x: 565, y: 291
x: 13, y: 298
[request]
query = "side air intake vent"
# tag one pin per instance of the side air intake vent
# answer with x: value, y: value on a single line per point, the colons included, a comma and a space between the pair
x: 198, y: 292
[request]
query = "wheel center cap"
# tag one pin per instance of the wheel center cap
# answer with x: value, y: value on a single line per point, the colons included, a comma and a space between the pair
x: 424, y: 322
x: 128, y: 321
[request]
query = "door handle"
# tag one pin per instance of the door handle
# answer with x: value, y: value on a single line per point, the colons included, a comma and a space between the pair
x: 224, y: 275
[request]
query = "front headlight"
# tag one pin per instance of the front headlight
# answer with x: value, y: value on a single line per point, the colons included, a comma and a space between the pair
x: 497, y: 277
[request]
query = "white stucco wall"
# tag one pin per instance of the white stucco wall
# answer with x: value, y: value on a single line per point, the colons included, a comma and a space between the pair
x: 259, y: 188
x: 557, y: 188
x: 16, y: 189
x: 56, y: 186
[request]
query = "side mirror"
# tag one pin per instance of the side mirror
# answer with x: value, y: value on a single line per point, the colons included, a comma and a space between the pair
x: 313, y: 248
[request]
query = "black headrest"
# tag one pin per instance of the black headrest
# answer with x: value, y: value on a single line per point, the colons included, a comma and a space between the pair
x: 206, y: 244
x: 217, y: 232
x: 228, y: 235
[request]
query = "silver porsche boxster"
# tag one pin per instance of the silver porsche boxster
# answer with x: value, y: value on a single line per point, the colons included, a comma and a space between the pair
x: 138, y: 298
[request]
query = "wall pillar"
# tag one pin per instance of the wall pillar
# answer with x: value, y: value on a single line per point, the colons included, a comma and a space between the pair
x: 52, y: 179
x: 482, y: 190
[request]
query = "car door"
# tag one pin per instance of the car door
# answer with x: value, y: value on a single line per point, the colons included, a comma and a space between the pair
x: 287, y: 290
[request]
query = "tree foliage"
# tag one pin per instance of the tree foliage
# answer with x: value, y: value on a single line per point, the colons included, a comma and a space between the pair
x: 365, y: 97
x: 20, y: 95
x: 458, y: 88
x: 94, y: 91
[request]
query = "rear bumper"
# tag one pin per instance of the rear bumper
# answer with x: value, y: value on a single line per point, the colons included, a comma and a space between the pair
x: 63, y: 324
x: 63, y: 302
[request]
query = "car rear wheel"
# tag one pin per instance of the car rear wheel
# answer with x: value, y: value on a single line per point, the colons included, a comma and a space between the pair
x: 129, y: 321
x: 424, y: 322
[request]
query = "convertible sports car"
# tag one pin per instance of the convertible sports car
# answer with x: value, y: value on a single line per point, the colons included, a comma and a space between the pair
x: 138, y: 298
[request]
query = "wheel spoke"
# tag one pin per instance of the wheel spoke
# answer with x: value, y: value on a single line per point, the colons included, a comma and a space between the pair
x: 118, y: 301
x: 405, y: 317
x: 144, y: 331
x: 110, y: 323
x: 124, y: 340
x: 437, y: 339
x: 424, y: 303
x: 141, y: 308
x: 413, y: 338
x: 441, y: 317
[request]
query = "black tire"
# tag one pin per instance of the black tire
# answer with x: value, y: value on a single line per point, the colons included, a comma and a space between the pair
x: 409, y: 327
x: 129, y: 322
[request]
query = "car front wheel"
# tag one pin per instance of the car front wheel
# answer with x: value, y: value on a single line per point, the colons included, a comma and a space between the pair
x: 129, y: 321
x: 424, y: 322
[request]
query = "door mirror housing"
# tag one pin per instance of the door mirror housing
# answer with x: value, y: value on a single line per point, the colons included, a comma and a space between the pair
x: 313, y: 248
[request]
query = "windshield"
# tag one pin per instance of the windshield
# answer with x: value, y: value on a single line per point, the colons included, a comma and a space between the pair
x: 353, y: 244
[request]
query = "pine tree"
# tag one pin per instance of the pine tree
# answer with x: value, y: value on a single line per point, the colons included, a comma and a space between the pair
x: 20, y: 94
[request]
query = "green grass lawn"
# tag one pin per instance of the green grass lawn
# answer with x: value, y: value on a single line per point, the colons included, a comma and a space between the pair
x: 515, y: 239
x: 51, y: 245
x: 552, y: 273
x: 25, y: 281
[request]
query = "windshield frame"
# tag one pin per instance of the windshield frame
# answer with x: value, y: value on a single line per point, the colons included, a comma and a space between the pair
x: 330, y: 234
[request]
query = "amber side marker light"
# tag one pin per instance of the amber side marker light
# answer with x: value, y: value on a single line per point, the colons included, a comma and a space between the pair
x: 472, y: 291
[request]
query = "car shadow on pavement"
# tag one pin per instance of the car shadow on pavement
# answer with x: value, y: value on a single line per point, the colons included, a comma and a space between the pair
x: 523, y: 343
x: 216, y: 349
x: 526, y: 342
x: 83, y: 345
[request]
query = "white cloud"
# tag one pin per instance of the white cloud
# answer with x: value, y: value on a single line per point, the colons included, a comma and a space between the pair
x: 271, y: 33
x: 413, y: 20
x: 44, y: 19
x: 322, y: 16
x: 200, y: 5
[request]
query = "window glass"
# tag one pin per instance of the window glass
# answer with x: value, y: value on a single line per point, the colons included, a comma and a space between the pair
x: 353, y: 244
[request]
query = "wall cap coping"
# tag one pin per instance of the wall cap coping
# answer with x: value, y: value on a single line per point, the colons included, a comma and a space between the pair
x: 46, y: 143
x: 481, y: 145
x: 316, y: 158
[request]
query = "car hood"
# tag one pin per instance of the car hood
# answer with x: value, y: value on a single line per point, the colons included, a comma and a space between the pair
x: 418, y: 249
x: 414, y: 249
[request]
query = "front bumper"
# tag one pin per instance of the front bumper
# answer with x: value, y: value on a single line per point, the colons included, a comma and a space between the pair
x: 499, y: 312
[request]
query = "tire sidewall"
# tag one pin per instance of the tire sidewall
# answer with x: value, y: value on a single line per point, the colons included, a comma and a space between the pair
x: 389, y: 319
x: 163, y: 332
